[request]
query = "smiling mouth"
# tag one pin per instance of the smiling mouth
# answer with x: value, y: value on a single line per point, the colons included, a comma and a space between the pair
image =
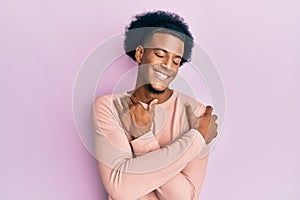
x: 161, y: 76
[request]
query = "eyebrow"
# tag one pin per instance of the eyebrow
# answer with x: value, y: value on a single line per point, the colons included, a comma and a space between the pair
x: 165, y: 51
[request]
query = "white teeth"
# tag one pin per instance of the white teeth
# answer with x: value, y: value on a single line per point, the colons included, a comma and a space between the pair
x: 161, y: 76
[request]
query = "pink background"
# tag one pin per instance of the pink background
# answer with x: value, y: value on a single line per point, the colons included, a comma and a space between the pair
x: 255, y: 45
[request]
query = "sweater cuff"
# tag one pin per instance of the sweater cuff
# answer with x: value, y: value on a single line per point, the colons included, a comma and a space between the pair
x: 144, y: 144
x: 205, y: 147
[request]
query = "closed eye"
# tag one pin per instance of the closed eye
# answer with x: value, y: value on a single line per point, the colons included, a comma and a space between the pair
x: 175, y: 63
x: 158, y: 55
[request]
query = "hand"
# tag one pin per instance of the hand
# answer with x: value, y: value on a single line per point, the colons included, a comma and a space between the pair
x: 205, y: 124
x: 135, y: 119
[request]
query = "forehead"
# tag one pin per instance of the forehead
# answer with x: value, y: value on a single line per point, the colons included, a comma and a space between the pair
x: 167, y: 42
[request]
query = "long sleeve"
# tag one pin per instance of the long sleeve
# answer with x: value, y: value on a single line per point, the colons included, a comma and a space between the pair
x: 144, y: 144
x: 186, y: 184
x: 125, y: 177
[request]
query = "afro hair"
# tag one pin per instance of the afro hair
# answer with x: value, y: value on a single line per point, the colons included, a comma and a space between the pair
x: 144, y: 25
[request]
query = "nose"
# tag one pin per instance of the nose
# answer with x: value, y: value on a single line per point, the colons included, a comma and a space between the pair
x: 167, y: 62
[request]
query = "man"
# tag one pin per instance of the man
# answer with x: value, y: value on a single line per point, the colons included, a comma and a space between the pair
x: 151, y: 142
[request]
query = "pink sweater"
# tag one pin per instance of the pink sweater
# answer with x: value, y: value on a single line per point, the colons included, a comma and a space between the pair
x: 169, y: 162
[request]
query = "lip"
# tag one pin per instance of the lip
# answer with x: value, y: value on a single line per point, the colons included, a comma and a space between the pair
x: 163, y: 73
x: 161, y: 77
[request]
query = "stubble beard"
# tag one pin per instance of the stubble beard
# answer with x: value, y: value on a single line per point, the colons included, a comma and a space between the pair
x: 153, y: 90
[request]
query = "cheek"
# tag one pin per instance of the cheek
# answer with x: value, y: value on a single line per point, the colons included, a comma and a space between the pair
x: 176, y: 71
x: 150, y: 58
x: 146, y: 58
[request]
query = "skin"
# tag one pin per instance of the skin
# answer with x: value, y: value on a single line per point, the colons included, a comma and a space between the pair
x: 205, y: 124
x: 161, y: 53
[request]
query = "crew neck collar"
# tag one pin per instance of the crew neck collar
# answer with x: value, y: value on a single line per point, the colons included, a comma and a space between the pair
x: 164, y: 104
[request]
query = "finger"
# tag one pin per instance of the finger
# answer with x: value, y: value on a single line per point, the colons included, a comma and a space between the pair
x: 134, y: 99
x: 208, y: 110
x: 213, y: 133
x: 214, y: 117
x: 152, y: 104
x: 129, y: 102
x: 137, y: 104
x: 210, y: 136
x: 132, y: 115
x: 213, y: 127
x: 117, y: 105
x: 139, y: 107
x: 124, y: 103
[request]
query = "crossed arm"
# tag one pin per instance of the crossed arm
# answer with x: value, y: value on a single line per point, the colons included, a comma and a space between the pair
x: 157, y: 169
x: 184, y: 185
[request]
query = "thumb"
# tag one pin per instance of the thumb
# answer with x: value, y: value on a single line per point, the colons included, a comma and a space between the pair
x: 208, y: 110
x: 152, y: 104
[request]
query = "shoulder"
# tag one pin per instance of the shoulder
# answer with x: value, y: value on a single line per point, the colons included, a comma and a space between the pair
x: 107, y: 100
x: 103, y: 105
x: 198, y: 107
x: 103, y: 110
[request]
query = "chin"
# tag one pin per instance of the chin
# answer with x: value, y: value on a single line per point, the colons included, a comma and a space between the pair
x: 158, y: 87
x: 155, y: 88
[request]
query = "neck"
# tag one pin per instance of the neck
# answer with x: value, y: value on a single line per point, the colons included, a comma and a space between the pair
x: 146, y: 94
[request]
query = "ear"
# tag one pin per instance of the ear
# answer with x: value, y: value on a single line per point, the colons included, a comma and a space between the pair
x: 139, y: 52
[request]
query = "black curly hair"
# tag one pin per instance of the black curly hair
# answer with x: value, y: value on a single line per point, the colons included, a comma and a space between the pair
x: 144, y: 25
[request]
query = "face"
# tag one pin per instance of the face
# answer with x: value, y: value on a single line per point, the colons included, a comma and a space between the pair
x: 159, y: 60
